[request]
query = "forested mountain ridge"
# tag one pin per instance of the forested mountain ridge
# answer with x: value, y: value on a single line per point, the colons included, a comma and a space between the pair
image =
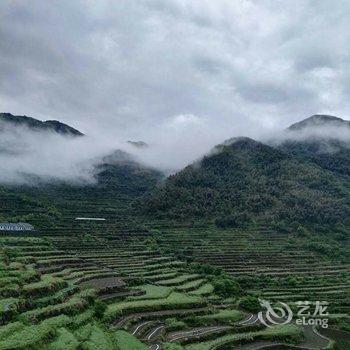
x: 292, y: 181
x: 321, y: 139
x: 114, y: 179
x: 246, y: 181
x: 319, y: 120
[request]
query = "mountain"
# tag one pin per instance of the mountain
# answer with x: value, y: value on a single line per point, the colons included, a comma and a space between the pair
x: 321, y: 139
x: 303, y: 179
x: 119, y: 179
x: 35, y: 124
x: 246, y: 181
x: 320, y: 120
x: 119, y: 172
x: 138, y: 144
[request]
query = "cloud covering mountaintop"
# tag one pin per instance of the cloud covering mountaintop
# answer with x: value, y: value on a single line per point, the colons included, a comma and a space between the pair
x: 180, y: 75
x: 134, y: 68
x: 28, y: 153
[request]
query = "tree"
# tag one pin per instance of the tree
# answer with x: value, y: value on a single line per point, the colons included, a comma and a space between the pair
x: 8, y: 254
x: 226, y: 287
x: 250, y: 303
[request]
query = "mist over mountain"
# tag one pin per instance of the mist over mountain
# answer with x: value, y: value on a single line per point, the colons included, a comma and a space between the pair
x: 33, y: 152
x: 47, y: 171
x: 302, y: 176
x: 8, y: 119
x: 32, y: 149
x: 319, y: 121
x: 321, y: 139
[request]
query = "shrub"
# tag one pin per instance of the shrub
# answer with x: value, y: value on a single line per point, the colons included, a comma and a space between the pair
x: 226, y: 287
x: 250, y: 303
x: 126, y: 341
x: 172, y: 324
x: 99, y: 308
x: 65, y: 341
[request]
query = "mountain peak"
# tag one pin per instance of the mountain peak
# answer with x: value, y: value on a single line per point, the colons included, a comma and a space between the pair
x: 35, y: 124
x: 138, y: 144
x: 319, y: 120
x: 240, y: 141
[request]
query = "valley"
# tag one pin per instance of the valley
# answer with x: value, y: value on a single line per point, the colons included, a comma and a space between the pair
x: 184, y: 262
x: 174, y: 175
x: 113, y: 286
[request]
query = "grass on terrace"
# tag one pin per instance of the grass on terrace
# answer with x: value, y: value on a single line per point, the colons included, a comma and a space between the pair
x: 280, y: 332
x: 226, y: 315
x: 78, y: 327
x: 126, y: 341
x: 173, y: 301
x: 152, y: 292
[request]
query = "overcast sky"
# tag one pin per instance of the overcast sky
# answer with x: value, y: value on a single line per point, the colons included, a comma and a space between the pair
x: 142, y: 69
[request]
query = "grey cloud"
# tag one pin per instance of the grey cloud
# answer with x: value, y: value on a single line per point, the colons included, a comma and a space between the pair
x: 314, y: 58
x: 125, y: 68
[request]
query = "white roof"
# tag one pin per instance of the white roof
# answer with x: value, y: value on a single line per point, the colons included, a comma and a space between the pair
x: 93, y: 219
x: 18, y: 226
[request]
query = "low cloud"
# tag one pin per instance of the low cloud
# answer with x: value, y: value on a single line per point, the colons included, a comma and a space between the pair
x: 27, y: 155
x: 180, y: 75
x: 131, y: 65
x: 329, y: 139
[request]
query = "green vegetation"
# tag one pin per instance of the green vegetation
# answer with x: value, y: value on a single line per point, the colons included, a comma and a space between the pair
x: 250, y: 303
x: 287, y: 332
x: 247, y: 181
x: 173, y: 301
x: 247, y: 222
x: 153, y: 292
x: 205, y: 289
x: 228, y: 315
x: 126, y: 341
x: 160, y: 294
x: 65, y: 340
x: 226, y: 287
x: 96, y: 338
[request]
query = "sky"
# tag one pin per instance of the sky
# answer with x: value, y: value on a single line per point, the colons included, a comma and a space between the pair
x: 182, y: 74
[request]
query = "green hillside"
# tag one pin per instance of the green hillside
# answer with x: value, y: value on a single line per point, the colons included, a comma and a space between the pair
x: 116, y: 186
x: 320, y: 139
x: 151, y: 282
x: 248, y: 181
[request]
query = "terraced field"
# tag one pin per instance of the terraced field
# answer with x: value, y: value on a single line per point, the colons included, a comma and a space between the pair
x: 286, y: 269
x: 117, y: 286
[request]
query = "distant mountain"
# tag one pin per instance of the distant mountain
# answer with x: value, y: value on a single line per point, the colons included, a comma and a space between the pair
x: 247, y: 181
x: 329, y: 149
x: 121, y: 173
x: 35, y: 124
x: 138, y: 144
x: 301, y: 179
x: 119, y: 181
x: 320, y: 120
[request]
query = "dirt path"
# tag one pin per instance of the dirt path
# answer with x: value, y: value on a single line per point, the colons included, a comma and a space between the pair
x: 250, y: 320
x: 155, y: 347
x: 139, y: 328
x: 155, y: 333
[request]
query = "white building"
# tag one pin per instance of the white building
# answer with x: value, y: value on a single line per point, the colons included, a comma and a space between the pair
x: 19, y: 226
x: 90, y: 219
